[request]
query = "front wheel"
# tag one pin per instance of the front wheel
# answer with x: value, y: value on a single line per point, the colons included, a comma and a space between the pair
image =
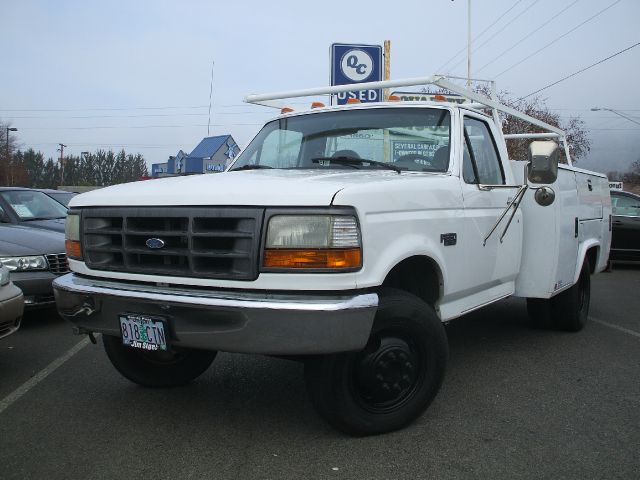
x: 157, y: 369
x: 393, y: 380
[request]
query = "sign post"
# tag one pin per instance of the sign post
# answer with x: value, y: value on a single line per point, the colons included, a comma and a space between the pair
x: 352, y: 63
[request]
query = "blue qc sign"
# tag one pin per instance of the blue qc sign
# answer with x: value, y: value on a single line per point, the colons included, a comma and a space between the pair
x: 356, y: 64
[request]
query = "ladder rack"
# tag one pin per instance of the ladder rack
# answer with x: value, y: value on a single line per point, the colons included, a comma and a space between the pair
x: 478, y: 102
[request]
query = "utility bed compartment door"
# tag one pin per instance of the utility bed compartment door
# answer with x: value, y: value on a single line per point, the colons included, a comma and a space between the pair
x: 589, y: 196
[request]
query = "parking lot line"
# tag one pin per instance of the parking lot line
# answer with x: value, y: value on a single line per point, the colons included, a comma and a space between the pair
x: 617, y: 327
x: 41, y: 375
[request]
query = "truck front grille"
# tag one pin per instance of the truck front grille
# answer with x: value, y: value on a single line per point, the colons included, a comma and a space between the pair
x: 201, y: 242
x: 58, y: 263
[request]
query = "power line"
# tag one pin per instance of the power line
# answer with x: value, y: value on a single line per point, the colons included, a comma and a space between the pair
x: 580, y: 71
x: 558, y: 38
x: 150, y: 115
x: 499, y: 31
x: 84, y: 109
x: 479, y: 35
x: 102, y: 127
x: 97, y: 109
x: 552, y: 18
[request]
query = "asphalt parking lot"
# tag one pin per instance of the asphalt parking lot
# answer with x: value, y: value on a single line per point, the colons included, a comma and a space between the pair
x: 516, y: 403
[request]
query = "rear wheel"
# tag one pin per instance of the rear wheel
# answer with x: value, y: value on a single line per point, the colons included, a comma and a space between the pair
x: 393, y: 380
x: 568, y: 310
x: 177, y: 366
x: 571, y: 307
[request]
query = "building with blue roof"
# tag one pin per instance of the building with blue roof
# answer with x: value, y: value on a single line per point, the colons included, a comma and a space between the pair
x: 211, y: 155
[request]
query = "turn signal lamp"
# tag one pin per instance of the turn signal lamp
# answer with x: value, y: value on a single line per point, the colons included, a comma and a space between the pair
x: 353, y: 100
x: 317, y: 105
x: 320, y: 242
x: 72, y: 237
x: 286, y: 110
x: 393, y: 98
x: 322, y: 258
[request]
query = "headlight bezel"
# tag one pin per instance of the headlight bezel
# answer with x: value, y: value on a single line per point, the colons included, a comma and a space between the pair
x: 340, y: 212
x: 72, y: 235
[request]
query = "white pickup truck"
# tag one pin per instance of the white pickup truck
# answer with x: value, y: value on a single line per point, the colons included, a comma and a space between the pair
x: 343, y: 236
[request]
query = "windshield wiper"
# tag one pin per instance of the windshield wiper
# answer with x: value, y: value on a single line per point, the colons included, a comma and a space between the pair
x: 39, y: 218
x: 249, y: 166
x: 356, y: 161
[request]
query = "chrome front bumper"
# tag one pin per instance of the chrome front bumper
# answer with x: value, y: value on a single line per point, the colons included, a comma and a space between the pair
x: 248, y: 322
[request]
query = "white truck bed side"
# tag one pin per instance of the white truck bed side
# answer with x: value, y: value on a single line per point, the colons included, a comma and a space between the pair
x: 556, y: 238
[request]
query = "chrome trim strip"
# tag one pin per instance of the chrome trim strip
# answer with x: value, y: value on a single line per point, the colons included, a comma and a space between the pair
x: 303, y: 302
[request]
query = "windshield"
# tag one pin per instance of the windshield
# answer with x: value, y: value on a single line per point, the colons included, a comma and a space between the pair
x: 62, y: 197
x: 415, y: 139
x: 32, y: 205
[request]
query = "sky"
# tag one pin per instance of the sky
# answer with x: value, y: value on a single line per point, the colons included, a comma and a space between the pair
x: 137, y: 75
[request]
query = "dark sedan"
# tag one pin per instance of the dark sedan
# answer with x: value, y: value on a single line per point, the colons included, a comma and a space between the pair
x: 34, y: 258
x: 625, y: 239
x: 28, y: 207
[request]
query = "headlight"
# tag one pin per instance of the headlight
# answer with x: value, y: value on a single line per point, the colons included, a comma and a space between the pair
x: 72, y: 236
x: 23, y: 264
x: 326, y: 242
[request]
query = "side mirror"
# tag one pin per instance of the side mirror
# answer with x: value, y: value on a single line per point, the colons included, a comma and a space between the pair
x: 543, y: 162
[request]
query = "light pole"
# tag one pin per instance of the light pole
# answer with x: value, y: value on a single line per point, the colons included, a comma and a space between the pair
x: 598, y: 109
x: 61, y: 149
x: 469, y: 44
x: 10, y: 129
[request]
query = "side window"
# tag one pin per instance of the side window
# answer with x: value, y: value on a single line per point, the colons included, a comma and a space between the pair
x: 483, y: 163
x: 468, y: 170
x: 623, y: 205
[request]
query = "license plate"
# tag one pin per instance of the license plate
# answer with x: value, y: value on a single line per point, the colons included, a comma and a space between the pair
x: 142, y: 331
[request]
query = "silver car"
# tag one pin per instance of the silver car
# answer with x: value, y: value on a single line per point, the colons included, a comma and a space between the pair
x: 11, y: 304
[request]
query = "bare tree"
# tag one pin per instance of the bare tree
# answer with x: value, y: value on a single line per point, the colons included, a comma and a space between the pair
x: 577, y: 137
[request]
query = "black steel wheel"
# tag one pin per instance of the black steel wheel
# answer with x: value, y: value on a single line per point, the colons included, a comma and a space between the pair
x: 177, y: 366
x: 393, y: 380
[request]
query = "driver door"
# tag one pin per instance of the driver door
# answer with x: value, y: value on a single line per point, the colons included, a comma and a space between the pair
x: 494, y: 265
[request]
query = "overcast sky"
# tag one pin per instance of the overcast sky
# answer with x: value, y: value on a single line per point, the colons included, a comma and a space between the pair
x: 136, y: 75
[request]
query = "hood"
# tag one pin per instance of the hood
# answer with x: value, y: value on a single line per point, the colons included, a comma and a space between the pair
x: 17, y: 240
x: 251, y: 187
x: 54, y: 224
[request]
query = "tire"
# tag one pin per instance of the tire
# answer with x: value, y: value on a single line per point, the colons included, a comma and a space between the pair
x: 393, y: 380
x: 568, y: 310
x: 571, y: 307
x: 178, y: 366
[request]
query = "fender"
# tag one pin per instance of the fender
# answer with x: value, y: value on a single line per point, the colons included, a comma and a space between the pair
x: 583, y: 248
x: 405, y: 247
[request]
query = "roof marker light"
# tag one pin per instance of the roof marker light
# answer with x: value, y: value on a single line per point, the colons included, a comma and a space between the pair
x: 353, y: 100
x: 393, y: 98
x: 317, y: 105
x: 286, y: 110
x: 440, y: 98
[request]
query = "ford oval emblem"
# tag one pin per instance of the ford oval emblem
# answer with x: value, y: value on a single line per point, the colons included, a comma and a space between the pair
x: 155, y: 243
